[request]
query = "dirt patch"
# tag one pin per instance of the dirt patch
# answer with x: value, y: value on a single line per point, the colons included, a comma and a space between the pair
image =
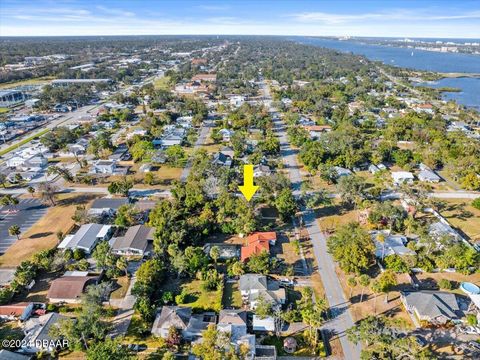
x: 42, y: 235
x: 372, y: 304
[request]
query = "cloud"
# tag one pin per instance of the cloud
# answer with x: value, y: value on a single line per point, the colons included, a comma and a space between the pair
x: 115, y: 12
x: 392, y: 15
x: 213, y: 7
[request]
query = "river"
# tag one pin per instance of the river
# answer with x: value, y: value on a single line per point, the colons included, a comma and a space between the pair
x: 420, y: 60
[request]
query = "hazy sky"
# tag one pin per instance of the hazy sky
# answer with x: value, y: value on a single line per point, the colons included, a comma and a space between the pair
x: 454, y: 19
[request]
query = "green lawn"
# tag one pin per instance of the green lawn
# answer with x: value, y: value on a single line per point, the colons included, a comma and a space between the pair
x: 201, y: 300
x: 162, y: 83
x: 139, y: 333
x: 4, y: 110
x: 33, y: 81
x: 231, y: 296
x: 121, y: 287
x: 10, y: 330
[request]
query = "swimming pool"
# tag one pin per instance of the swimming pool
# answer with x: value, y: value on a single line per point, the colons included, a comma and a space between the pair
x: 469, y: 288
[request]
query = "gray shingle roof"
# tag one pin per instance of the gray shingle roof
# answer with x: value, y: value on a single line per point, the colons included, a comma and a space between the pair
x: 136, y: 237
x: 175, y: 316
x: 433, y: 303
x: 109, y: 203
x: 253, y: 281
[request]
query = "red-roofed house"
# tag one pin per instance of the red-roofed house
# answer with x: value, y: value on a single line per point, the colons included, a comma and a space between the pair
x: 316, y: 130
x: 20, y: 311
x: 257, y: 243
x: 205, y: 77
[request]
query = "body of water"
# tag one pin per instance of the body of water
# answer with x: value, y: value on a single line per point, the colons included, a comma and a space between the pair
x: 470, y: 94
x: 420, y: 60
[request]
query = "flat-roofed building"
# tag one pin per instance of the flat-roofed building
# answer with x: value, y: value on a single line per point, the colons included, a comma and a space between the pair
x: 66, y: 82
x: 11, y: 97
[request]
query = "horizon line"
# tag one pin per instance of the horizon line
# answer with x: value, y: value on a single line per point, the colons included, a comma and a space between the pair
x: 226, y: 35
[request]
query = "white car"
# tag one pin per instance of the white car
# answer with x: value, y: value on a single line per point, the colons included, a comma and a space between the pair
x: 470, y: 330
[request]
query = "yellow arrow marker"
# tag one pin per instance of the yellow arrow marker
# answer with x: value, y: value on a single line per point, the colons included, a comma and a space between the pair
x: 248, y: 189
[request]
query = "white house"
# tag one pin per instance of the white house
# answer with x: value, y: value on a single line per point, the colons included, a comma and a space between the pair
x: 402, y: 177
x: 237, y: 100
x: 134, y: 242
x: 37, y: 330
x: 266, y: 324
x: 104, y: 167
x: 255, y: 286
x: 86, y: 237
x: 391, y: 244
x: 427, y: 175
x: 226, y: 134
x: 171, y: 136
x: 340, y: 171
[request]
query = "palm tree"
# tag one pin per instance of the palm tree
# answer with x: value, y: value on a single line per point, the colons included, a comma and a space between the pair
x: 381, y: 240
x: 14, y: 230
x: 376, y: 289
x: 9, y: 200
x: 3, y: 180
x: 410, y: 224
x: 352, y: 282
x: 215, y: 253
x: 364, y: 281
x: 315, y: 318
x: 31, y: 190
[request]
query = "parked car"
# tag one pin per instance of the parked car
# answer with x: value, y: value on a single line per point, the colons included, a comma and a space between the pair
x: 471, y: 330
x: 474, y: 345
x: 137, y: 347
x: 420, y: 340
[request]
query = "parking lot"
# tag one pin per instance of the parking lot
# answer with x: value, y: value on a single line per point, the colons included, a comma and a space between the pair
x: 25, y: 214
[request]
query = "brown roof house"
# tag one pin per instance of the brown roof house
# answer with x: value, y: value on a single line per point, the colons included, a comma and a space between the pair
x: 69, y: 288
x: 205, y: 77
x: 181, y: 318
x: 134, y: 242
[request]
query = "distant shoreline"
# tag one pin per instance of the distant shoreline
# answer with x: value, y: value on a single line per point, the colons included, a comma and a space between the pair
x: 459, y: 75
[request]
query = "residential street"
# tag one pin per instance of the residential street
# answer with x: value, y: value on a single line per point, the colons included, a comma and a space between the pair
x: 202, y: 137
x: 341, y: 317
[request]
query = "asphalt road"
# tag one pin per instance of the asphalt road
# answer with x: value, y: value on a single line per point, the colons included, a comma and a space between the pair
x: 62, y: 120
x: 341, y: 319
x: 25, y: 214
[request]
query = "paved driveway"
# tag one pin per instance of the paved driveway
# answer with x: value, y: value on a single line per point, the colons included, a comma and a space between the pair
x: 25, y: 214
x: 122, y: 320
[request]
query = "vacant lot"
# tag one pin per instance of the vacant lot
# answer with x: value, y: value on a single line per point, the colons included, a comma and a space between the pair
x: 463, y: 216
x: 373, y: 304
x: 332, y: 216
x: 198, y: 299
x: 163, y: 83
x: 231, y: 296
x: 42, y: 235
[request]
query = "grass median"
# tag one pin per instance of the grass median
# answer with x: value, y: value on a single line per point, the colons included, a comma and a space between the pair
x: 23, y: 142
